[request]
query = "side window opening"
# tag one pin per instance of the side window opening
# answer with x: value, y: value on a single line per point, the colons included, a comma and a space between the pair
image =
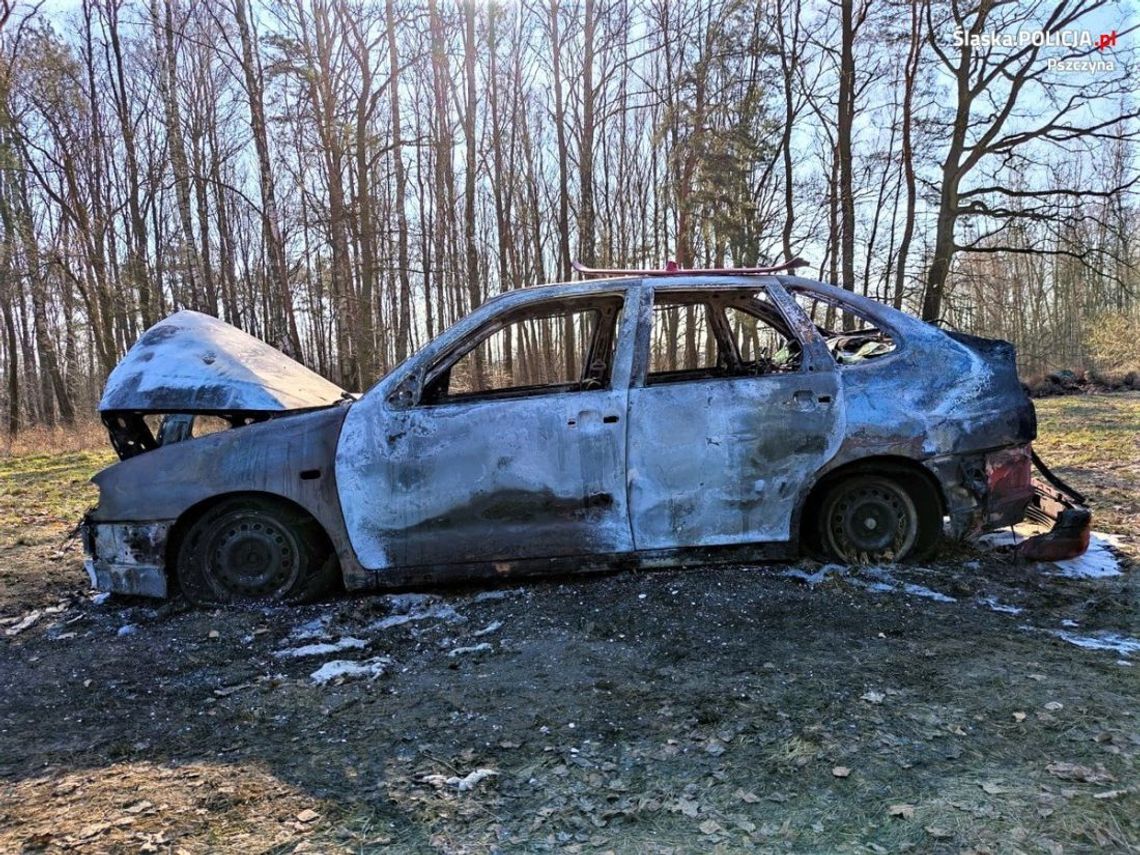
x: 851, y: 337
x: 702, y: 336
x: 544, y: 349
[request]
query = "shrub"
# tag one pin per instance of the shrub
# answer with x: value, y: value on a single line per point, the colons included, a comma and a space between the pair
x: 1113, y: 343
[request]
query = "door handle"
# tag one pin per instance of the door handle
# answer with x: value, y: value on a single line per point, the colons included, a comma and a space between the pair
x: 590, y: 417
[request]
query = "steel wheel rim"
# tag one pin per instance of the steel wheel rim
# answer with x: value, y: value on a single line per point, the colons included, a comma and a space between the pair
x: 871, y: 519
x: 252, y: 556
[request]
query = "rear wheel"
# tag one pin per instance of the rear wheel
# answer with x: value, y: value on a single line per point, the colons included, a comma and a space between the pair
x: 254, y: 550
x: 871, y: 518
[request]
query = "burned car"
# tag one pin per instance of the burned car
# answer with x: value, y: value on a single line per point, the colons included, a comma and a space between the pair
x: 643, y: 420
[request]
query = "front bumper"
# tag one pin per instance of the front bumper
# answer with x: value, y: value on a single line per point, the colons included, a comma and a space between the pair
x: 126, y: 558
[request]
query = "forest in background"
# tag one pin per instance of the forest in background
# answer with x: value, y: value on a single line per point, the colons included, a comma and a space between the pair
x: 345, y: 178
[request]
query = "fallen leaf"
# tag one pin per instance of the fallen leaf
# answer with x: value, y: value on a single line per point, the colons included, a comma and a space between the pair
x: 939, y: 833
x: 93, y: 830
x: 992, y: 787
x: 1019, y: 716
x: 1076, y: 772
x: 1053, y: 706
x: 711, y: 826
x: 872, y: 697
x: 213, y: 633
x: 1110, y: 794
x: 750, y: 798
x: 903, y: 810
x: 688, y: 807
x: 307, y: 815
x: 840, y: 771
x: 139, y: 807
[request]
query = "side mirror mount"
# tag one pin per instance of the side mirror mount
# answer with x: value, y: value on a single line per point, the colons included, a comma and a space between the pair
x: 407, y: 392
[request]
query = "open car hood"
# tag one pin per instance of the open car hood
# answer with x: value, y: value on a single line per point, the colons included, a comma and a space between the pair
x: 192, y: 365
x: 195, y: 363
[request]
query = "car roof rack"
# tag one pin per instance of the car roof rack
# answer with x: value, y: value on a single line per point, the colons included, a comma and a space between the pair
x: 671, y: 269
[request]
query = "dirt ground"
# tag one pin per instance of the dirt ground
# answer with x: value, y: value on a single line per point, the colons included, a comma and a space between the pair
x: 941, y: 708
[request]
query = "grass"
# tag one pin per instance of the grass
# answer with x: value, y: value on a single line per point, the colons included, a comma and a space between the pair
x: 1094, y: 442
x: 44, y: 490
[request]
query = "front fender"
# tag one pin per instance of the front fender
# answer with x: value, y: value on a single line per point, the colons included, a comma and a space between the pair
x: 291, y: 457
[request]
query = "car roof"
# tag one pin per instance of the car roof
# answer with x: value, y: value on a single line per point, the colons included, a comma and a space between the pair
x: 711, y: 282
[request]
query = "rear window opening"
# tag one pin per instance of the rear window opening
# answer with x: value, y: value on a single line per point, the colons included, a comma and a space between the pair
x: 851, y: 337
x: 698, y: 335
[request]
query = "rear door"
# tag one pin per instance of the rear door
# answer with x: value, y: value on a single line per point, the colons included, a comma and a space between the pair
x: 730, y: 412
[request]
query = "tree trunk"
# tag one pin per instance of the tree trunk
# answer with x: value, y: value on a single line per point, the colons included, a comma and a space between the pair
x: 285, y: 320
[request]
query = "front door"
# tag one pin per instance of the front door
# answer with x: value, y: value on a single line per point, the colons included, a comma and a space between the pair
x: 729, y: 416
x: 515, y: 447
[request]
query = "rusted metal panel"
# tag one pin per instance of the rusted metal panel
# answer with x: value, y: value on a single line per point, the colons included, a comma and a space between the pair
x: 127, y: 558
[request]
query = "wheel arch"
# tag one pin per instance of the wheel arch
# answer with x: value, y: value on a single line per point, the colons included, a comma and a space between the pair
x: 909, y: 472
x: 192, y: 514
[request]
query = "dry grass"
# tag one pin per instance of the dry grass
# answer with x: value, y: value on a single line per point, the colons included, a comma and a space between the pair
x: 84, y: 436
x: 151, y: 807
x: 1093, y: 441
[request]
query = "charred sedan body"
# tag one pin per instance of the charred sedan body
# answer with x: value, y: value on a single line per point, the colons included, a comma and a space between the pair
x: 636, y: 420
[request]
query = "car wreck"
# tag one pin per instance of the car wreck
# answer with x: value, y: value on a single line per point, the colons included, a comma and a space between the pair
x: 631, y: 420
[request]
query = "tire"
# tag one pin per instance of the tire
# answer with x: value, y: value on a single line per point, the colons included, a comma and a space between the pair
x: 252, y: 550
x: 870, y: 518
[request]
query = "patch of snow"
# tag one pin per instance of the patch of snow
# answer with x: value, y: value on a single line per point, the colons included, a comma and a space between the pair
x: 28, y: 620
x: 349, y: 669
x: 442, y: 612
x: 475, y: 648
x: 318, y: 627
x: 100, y: 598
x: 464, y: 784
x: 1114, y: 641
x: 999, y: 606
x: 927, y: 593
x: 973, y: 565
x: 488, y: 596
x: 388, y: 622
x: 884, y: 582
x: 493, y: 626
x: 1069, y: 623
x: 321, y: 649
x: 1004, y: 537
x: 127, y: 629
x: 1097, y: 562
x: 399, y: 604
x: 819, y: 575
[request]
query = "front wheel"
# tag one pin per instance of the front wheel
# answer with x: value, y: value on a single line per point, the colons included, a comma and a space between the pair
x: 254, y: 550
x: 868, y: 518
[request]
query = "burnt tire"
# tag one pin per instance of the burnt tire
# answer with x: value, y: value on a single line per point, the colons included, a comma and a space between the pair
x: 870, y: 518
x: 252, y: 550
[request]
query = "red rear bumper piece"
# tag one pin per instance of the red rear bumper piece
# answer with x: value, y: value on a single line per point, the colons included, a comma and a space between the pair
x: 1055, y: 502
